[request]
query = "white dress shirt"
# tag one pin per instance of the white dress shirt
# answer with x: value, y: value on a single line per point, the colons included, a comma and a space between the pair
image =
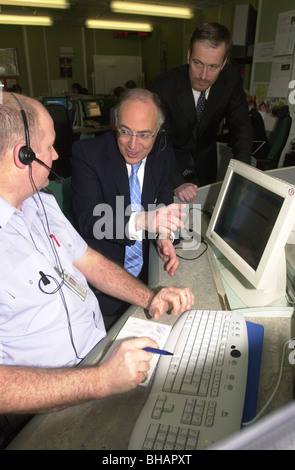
x: 197, y: 95
x: 133, y: 233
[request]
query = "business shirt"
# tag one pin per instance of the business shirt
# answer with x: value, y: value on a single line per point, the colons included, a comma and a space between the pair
x: 34, y: 321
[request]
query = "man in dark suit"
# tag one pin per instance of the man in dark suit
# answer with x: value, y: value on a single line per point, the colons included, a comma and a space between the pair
x: 219, y: 85
x: 100, y: 187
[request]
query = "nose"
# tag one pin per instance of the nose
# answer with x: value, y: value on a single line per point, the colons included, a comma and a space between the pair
x: 132, y: 141
x: 204, y: 72
x: 54, y: 154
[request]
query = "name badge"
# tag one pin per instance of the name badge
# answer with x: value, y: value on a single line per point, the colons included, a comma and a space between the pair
x: 72, y: 284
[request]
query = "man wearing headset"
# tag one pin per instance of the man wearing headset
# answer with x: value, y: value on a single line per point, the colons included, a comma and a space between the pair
x: 46, y: 327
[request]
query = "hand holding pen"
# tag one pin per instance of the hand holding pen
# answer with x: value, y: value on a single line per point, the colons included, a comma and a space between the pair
x: 162, y: 352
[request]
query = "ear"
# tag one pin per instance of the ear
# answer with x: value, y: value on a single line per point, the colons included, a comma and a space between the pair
x: 188, y: 56
x: 225, y: 60
x: 16, y: 159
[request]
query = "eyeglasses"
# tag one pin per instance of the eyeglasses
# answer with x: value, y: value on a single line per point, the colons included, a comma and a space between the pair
x: 142, y: 136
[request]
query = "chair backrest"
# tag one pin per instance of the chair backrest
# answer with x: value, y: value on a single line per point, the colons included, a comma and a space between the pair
x: 63, y: 141
x: 279, y: 136
x: 62, y: 193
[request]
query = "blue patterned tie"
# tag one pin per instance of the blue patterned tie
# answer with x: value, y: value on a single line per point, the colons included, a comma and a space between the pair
x: 133, y: 254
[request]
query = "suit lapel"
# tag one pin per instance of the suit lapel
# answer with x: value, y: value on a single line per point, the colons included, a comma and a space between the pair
x: 150, y: 178
x: 118, y: 173
x: 216, y: 92
x: 185, y: 98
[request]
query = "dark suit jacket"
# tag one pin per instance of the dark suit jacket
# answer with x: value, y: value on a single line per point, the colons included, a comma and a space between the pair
x: 99, y: 175
x: 226, y: 100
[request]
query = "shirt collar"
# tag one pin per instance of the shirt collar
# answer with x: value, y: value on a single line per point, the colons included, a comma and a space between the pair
x: 29, y: 209
x: 143, y: 162
x: 196, y: 94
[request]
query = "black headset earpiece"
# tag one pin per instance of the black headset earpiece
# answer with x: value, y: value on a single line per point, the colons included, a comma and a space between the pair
x: 26, y: 155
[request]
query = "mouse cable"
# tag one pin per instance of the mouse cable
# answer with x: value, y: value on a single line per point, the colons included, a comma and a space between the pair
x: 196, y: 257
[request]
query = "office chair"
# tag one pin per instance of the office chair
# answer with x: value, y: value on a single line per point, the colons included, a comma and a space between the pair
x: 62, y: 193
x: 277, y: 139
x: 64, y: 140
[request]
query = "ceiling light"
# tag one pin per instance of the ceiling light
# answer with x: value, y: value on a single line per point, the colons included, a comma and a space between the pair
x: 118, y: 25
x: 26, y: 20
x: 147, y: 9
x: 37, y: 3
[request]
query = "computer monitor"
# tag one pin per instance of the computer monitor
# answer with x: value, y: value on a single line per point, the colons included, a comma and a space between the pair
x: 59, y: 100
x: 91, y: 109
x: 252, y: 219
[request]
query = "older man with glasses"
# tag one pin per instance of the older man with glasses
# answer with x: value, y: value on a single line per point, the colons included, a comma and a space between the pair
x: 122, y: 184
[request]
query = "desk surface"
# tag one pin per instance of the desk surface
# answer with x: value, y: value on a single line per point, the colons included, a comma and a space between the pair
x: 107, y: 423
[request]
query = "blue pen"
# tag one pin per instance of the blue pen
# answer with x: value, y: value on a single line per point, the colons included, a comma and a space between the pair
x: 158, y: 351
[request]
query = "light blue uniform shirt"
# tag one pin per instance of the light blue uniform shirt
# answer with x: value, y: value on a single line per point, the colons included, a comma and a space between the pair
x: 34, y: 326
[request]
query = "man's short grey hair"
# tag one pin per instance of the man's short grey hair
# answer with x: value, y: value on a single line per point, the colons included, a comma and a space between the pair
x: 143, y: 95
x: 12, y: 130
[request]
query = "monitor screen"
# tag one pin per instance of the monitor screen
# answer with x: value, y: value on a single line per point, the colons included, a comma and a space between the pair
x: 91, y: 109
x: 61, y: 100
x: 250, y: 225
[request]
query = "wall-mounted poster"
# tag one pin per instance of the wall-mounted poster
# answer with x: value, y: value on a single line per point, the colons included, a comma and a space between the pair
x: 65, y: 67
x: 8, y: 63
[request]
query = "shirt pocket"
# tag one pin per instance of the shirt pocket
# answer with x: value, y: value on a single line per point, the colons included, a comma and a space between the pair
x: 24, y: 296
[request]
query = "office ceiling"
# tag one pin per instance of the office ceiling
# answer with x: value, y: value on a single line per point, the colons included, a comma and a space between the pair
x: 99, y: 9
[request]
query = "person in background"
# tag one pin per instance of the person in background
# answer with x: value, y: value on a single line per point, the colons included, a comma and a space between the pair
x: 260, y: 142
x: 118, y: 91
x: 77, y: 89
x: 48, y: 325
x: 196, y: 98
x: 130, y: 84
x: 16, y: 88
x: 260, y: 147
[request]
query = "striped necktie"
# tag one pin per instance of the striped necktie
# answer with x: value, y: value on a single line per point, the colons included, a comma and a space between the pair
x: 133, y: 253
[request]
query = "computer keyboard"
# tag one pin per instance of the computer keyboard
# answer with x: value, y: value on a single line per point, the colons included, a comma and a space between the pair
x: 197, y: 395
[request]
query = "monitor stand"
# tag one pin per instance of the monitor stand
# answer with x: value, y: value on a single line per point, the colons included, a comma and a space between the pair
x: 248, y: 294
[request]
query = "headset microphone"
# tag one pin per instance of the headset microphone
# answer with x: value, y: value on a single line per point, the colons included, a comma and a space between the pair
x: 58, y: 179
x: 27, y: 155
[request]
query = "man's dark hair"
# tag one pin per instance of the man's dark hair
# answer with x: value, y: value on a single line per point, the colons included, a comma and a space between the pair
x: 214, y: 33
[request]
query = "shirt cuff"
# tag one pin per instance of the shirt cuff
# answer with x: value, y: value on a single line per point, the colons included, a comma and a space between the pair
x: 171, y: 236
x: 133, y: 233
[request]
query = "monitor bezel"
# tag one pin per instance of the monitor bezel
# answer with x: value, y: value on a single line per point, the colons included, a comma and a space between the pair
x: 86, y: 109
x: 55, y: 100
x: 259, y: 278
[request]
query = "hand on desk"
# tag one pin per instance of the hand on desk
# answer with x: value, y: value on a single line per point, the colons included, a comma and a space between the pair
x: 128, y: 365
x: 177, y: 299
